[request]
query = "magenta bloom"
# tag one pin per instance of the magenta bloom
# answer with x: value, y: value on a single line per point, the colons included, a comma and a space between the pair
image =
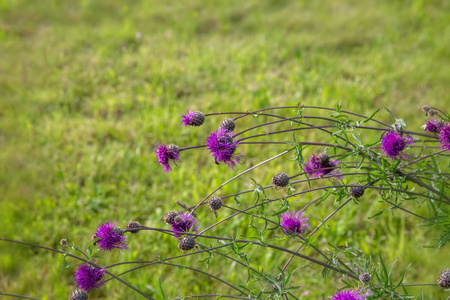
x: 358, y: 294
x: 433, y: 125
x: 294, y: 223
x: 184, y: 223
x: 347, y: 295
x: 444, y: 137
x: 222, y: 146
x: 165, y: 154
x: 111, y: 237
x: 321, y: 165
x: 393, y: 144
x: 89, y: 277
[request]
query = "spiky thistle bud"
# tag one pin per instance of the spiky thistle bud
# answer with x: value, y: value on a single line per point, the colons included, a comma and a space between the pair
x: 426, y: 108
x: 228, y: 124
x: 432, y: 113
x: 444, y: 279
x: 64, y: 243
x: 280, y: 180
x: 79, y: 295
x: 365, y: 277
x: 357, y: 191
x: 215, y: 203
x: 186, y: 243
x: 132, y: 225
x: 169, y: 217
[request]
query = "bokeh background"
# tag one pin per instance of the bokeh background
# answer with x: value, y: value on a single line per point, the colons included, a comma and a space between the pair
x: 88, y: 88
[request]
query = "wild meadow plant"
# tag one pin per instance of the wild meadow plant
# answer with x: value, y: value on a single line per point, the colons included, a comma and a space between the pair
x: 401, y: 167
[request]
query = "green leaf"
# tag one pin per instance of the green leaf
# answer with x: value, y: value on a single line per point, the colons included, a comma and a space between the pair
x: 65, y: 263
x: 163, y: 296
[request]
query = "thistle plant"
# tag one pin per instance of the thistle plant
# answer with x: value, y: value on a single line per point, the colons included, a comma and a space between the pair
x: 404, y: 170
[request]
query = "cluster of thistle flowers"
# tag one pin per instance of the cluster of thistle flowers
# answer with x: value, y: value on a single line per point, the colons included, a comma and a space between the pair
x: 222, y: 145
x: 108, y: 237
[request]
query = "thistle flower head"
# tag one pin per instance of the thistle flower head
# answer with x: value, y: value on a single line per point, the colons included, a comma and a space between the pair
x: 347, y: 295
x: 393, y: 144
x: 433, y: 125
x: 184, y: 223
x: 321, y: 165
x: 360, y: 293
x: 292, y: 223
x: 444, y: 137
x: 222, y: 147
x: 89, y: 277
x: 165, y: 154
x: 111, y: 237
x: 193, y: 118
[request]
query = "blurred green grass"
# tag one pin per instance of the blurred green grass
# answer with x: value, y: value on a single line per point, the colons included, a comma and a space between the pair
x: 89, y: 88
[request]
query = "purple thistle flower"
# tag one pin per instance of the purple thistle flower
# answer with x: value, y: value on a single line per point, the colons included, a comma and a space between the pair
x: 89, y: 277
x: 433, y: 125
x: 110, y: 237
x: 294, y: 223
x: 347, y: 295
x: 321, y: 165
x: 444, y: 137
x: 393, y: 144
x: 167, y: 153
x: 222, y: 146
x: 358, y: 294
x: 184, y: 223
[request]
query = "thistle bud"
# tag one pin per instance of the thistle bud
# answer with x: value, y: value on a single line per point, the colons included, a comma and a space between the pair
x: 280, y: 180
x: 186, y: 243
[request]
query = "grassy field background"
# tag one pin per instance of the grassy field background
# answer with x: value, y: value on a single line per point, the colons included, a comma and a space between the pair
x: 88, y: 88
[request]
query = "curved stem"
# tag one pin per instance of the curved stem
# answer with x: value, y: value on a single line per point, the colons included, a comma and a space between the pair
x: 81, y: 259
x: 212, y: 295
x: 18, y: 296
